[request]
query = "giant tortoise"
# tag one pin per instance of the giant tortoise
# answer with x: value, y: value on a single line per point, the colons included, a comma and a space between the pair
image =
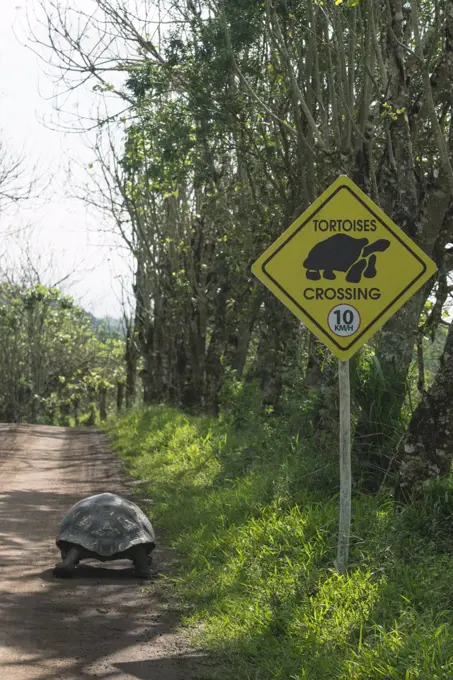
x: 105, y: 527
x: 343, y: 253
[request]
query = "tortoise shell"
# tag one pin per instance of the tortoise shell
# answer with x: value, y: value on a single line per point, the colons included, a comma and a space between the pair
x: 338, y: 252
x: 106, y: 524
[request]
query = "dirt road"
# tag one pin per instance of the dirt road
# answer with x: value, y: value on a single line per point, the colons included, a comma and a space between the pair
x: 102, y: 624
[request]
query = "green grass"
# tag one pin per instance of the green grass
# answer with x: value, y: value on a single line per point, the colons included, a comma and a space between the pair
x: 252, y: 515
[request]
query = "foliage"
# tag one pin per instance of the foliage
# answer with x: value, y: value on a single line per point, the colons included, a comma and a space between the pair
x: 237, y: 116
x: 253, y: 515
x: 52, y: 359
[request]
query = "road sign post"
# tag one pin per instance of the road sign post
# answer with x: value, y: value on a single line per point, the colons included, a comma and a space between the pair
x: 344, y: 268
x: 344, y: 524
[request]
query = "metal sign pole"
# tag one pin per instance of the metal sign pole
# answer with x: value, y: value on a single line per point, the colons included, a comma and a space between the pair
x: 344, y: 528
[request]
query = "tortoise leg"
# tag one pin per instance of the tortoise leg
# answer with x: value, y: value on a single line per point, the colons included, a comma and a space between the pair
x: 142, y: 562
x: 65, y: 568
x: 370, y: 272
x: 64, y: 552
x: 313, y: 275
x: 329, y: 274
x: 354, y: 274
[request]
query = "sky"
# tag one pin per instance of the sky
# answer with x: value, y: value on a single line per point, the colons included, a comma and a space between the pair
x: 63, y: 236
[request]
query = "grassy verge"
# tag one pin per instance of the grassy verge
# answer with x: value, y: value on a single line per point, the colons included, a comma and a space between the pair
x: 253, y: 516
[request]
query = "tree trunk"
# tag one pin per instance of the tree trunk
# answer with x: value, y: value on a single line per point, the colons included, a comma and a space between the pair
x: 119, y: 396
x: 395, y: 346
x: 314, y: 370
x: 399, y: 196
x: 179, y: 371
x: 103, y: 403
x: 76, y: 406
x: 428, y: 449
x: 239, y: 342
x: 381, y: 398
x: 277, y: 340
x: 194, y: 393
x: 216, y: 347
x: 131, y: 358
x: 320, y: 380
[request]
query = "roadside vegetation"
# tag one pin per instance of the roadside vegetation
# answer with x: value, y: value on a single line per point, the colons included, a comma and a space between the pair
x: 250, y: 505
x: 58, y: 365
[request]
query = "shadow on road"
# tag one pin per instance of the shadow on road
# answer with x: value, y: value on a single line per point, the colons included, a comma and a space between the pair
x: 116, y: 572
x: 170, y: 669
x: 104, y: 623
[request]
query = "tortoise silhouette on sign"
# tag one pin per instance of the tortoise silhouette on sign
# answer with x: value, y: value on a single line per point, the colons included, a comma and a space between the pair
x: 342, y: 253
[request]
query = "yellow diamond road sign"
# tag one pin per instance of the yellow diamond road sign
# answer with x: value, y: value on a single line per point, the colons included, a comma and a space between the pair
x: 343, y: 267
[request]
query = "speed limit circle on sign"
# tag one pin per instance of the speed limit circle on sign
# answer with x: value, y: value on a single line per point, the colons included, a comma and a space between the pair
x: 344, y: 320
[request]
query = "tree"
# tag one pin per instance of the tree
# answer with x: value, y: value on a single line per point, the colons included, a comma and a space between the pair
x: 238, y: 114
x: 16, y: 184
x: 50, y: 354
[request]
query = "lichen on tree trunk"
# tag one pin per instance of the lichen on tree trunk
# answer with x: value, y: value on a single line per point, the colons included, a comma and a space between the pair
x: 427, y: 451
